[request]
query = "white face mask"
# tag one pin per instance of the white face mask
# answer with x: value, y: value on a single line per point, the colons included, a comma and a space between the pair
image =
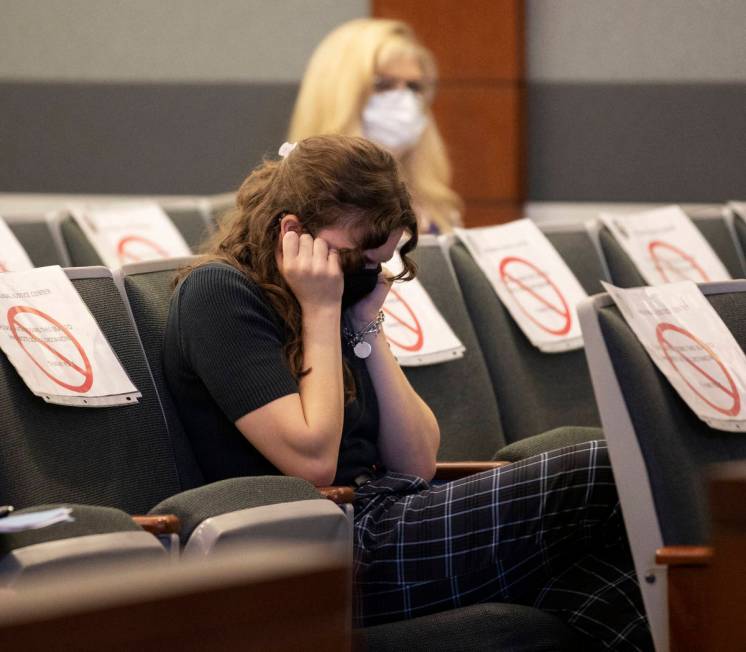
x: 394, y: 119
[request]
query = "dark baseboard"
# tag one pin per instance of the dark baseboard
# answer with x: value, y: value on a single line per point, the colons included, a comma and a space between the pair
x: 137, y: 138
x: 636, y: 142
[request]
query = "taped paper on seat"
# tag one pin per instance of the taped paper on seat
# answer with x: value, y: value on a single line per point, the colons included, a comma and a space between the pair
x: 13, y: 257
x: 55, y: 344
x: 35, y: 520
x: 532, y: 281
x: 416, y: 331
x: 665, y: 246
x: 692, y: 347
x: 130, y: 232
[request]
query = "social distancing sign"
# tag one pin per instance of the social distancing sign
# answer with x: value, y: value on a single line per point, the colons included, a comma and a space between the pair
x: 13, y: 257
x: 130, y: 232
x: 665, y: 246
x: 532, y: 281
x: 55, y: 344
x: 693, y: 348
x: 415, y: 330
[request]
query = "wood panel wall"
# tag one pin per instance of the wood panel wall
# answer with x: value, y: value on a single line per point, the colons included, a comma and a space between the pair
x: 479, y: 105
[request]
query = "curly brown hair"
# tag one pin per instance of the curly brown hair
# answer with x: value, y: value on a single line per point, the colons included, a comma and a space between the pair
x: 326, y: 181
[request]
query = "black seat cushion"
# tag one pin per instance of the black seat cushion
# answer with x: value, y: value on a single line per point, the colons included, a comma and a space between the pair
x: 478, y: 628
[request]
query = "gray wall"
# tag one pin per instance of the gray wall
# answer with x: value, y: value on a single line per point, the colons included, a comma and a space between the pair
x: 636, y: 100
x: 165, y: 40
x: 628, y: 100
x: 138, y: 96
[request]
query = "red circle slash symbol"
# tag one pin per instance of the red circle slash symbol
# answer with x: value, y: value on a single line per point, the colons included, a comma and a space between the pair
x: 674, y: 265
x: 126, y: 252
x: 3, y: 268
x: 514, y: 284
x: 412, y: 324
x: 84, y: 369
x: 730, y: 392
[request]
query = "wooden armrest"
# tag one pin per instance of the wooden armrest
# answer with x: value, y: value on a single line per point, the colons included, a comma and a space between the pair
x: 446, y: 471
x: 684, y: 555
x: 338, y: 494
x: 162, y: 524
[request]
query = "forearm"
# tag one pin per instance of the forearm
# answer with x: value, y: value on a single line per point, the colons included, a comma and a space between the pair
x: 409, y: 435
x: 321, y: 390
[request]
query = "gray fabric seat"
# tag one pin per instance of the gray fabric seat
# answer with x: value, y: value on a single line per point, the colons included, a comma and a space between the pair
x: 37, y: 238
x: 148, y: 288
x: 714, y: 228
x: 659, y: 449
x: 478, y: 628
x: 126, y: 458
x: 576, y: 247
x: 458, y: 391
x: 536, y: 391
x: 193, y: 224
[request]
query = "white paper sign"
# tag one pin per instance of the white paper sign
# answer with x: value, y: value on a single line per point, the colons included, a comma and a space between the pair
x: 130, y: 232
x: 665, y: 246
x: 13, y: 257
x: 417, y: 333
x: 55, y: 344
x: 35, y: 520
x: 691, y: 346
x: 532, y: 281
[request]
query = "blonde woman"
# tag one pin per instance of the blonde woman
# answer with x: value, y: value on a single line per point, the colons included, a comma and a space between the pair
x: 372, y: 77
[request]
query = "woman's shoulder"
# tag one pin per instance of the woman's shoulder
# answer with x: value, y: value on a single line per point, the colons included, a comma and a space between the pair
x: 216, y: 278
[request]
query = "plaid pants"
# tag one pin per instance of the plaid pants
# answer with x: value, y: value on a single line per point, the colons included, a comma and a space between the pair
x: 546, y: 531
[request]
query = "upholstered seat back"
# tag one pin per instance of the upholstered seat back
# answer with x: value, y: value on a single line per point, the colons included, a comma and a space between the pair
x: 119, y: 457
x: 536, y: 391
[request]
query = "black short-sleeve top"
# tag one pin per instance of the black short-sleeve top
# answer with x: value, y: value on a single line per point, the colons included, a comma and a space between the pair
x: 223, y: 358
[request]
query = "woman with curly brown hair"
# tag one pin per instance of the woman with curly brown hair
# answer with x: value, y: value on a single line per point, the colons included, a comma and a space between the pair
x: 275, y: 354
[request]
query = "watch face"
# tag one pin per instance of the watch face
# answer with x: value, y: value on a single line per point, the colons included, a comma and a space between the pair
x: 362, y: 349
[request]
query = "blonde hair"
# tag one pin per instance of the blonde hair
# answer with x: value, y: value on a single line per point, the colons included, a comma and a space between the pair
x: 336, y: 86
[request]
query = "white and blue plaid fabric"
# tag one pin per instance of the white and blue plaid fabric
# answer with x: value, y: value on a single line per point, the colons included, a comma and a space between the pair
x: 546, y: 531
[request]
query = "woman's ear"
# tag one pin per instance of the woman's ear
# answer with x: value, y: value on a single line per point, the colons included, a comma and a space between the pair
x: 290, y: 222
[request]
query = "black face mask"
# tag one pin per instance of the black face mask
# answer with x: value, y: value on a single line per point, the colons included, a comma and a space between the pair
x: 359, y: 284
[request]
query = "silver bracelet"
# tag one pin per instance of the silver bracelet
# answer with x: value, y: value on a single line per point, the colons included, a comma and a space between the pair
x: 356, y: 340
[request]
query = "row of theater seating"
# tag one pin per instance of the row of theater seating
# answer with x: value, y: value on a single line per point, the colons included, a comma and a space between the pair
x: 137, y: 457
x: 529, y: 387
x: 54, y: 238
